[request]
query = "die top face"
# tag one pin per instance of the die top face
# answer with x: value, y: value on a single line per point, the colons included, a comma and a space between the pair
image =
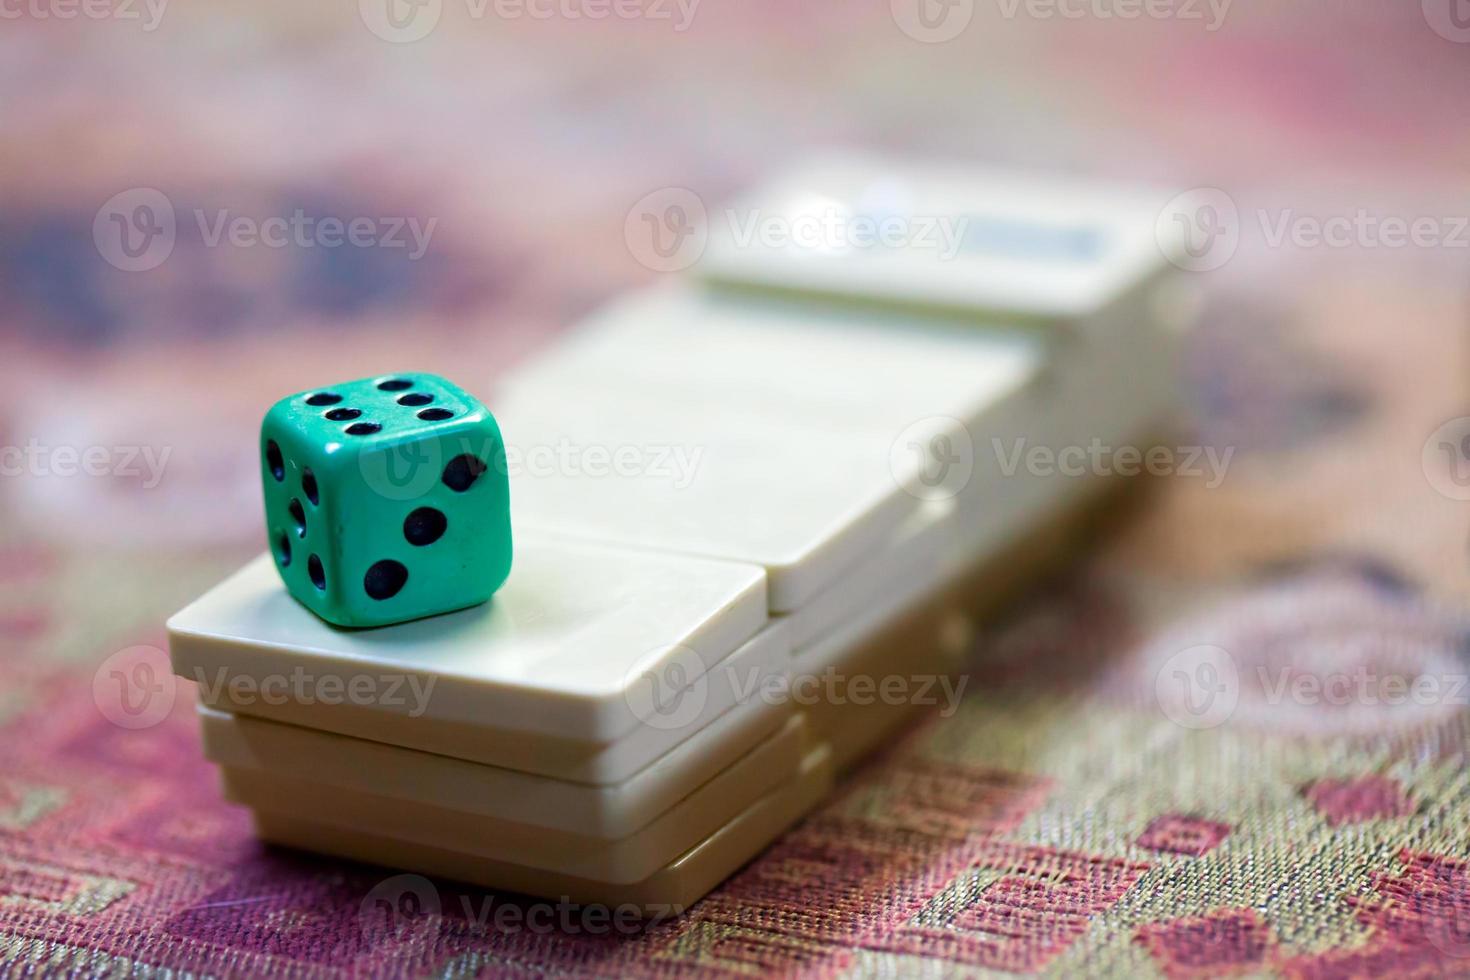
x: 371, y: 413
x: 386, y: 499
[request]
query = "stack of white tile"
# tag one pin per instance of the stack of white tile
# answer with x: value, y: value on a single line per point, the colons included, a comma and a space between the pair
x: 718, y: 488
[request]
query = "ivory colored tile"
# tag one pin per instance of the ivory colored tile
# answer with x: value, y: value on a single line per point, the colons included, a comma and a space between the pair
x: 562, y: 649
x: 1113, y: 394
x: 669, y: 890
x: 353, y: 765
x: 688, y: 727
x: 887, y: 573
x: 754, y: 357
x: 627, y: 859
x: 736, y: 365
x: 958, y: 238
x: 801, y: 503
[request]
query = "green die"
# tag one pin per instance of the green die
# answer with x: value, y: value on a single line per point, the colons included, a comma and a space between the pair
x: 386, y: 499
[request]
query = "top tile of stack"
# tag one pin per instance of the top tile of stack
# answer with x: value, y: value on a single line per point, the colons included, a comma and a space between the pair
x: 943, y: 239
x: 796, y: 427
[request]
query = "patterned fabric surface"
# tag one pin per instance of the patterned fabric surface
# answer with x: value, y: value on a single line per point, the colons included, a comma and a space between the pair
x: 1232, y: 742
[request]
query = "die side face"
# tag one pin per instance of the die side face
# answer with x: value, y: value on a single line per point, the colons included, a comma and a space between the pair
x: 386, y: 499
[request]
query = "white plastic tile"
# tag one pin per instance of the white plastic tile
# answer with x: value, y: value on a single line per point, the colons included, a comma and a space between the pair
x: 372, y: 768
x: 563, y: 649
x: 625, y: 859
x: 801, y: 503
x: 955, y: 237
x: 667, y: 891
x: 692, y: 350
